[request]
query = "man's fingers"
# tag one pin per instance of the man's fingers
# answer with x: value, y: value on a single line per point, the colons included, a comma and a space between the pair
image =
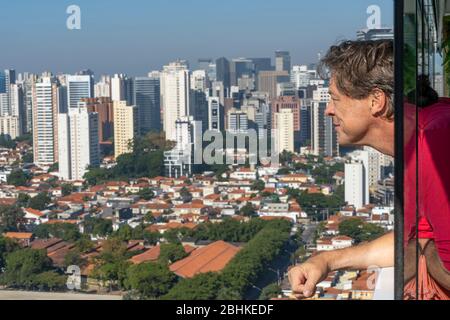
x: 297, y: 278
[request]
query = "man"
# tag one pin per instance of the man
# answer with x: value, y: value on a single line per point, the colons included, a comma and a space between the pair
x: 362, y: 107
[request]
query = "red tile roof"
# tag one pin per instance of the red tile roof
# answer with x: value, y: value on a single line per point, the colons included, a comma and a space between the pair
x: 211, y: 258
x: 19, y: 235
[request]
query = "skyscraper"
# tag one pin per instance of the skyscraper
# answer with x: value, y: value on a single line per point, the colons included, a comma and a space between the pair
x: 122, y: 89
x: 10, y: 125
x: 175, y: 83
x: 104, y: 108
x: 237, y: 122
x: 282, y: 61
x: 291, y: 103
x: 147, y: 100
x: 355, y: 181
x: 79, y: 87
x: 45, y: 122
x: 268, y: 80
x: 180, y: 160
x: 284, y: 130
x: 126, y: 127
x: 323, y: 134
x: 215, y: 114
x: 240, y: 67
x: 78, y: 142
x: 223, y: 71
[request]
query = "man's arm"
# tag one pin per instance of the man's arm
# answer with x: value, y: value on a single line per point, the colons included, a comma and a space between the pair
x: 306, y: 276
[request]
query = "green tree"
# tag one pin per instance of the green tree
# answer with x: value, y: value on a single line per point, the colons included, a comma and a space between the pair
x: 28, y: 158
x: 40, y: 202
x: 23, y: 265
x: 66, y: 189
x: 11, y: 218
x: 146, y: 194
x: 271, y: 291
x: 171, y: 252
x: 64, y: 231
x: 23, y: 200
x: 124, y: 233
x: 74, y: 258
x: 258, y: 185
x: 351, y: 228
x: 7, y: 142
x: 17, y: 178
x: 6, y: 246
x: 204, y: 286
x: 98, y: 226
x: 50, y: 281
x: 111, y: 265
x: 150, y: 280
x: 248, y: 210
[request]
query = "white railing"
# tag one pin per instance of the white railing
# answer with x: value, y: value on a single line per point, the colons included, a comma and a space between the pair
x: 384, y: 289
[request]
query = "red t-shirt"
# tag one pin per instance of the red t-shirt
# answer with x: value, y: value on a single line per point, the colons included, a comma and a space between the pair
x: 433, y: 138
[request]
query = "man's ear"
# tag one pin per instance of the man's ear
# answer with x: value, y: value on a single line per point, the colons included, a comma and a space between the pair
x: 378, y: 103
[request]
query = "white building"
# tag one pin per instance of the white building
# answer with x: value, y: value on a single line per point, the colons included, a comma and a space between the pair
x: 179, y: 161
x: 175, y: 83
x: 78, y: 142
x: 102, y: 89
x: 355, y: 185
x: 45, y: 122
x: 199, y: 80
x: 10, y: 125
x: 284, y: 130
x: 214, y: 115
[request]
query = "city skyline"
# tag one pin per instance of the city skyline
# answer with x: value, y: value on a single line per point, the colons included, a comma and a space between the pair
x: 109, y: 33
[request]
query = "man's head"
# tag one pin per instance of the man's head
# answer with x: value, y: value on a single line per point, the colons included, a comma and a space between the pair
x: 361, y: 77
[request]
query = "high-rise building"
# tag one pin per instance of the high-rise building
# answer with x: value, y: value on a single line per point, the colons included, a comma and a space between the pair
x: 237, y: 122
x: 147, y: 100
x: 45, y: 122
x: 305, y: 121
x: 78, y: 142
x: 199, y: 81
x: 175, y: 82
x: 284, y: 130
x: 17, y: 105
x: 10, y: 126
x: 223, y: 71
x: 79, y: 87
x: 7, y: 78
x: 180, y: 160
x: 215, y: 114
x: 300, y: 76
x: 263, y: 120
x: 104, y: 108
x: 323, y: 134
x: 355, y: 182
x: 122, y: 88
x: 375, y: 34
x: 282, y: 61
x: 268, y: 80
x: 126, y: 127
x: 28, y: 84
x: 240, y: 67
x: 290, y: 103
x: 102, y: 89
x: 4, y: 104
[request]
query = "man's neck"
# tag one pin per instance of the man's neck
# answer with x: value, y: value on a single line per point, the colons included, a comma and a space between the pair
x: 382, y: 137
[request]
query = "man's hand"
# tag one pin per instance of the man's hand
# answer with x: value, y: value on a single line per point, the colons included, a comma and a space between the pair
x: 305, y: 277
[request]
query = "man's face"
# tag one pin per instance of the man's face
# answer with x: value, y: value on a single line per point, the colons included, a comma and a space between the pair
x: 351, y: 117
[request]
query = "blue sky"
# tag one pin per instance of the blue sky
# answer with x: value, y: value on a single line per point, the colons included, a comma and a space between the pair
x: 137, y: 36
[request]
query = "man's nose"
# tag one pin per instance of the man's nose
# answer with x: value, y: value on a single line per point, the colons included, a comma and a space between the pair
x: 329, y: 111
